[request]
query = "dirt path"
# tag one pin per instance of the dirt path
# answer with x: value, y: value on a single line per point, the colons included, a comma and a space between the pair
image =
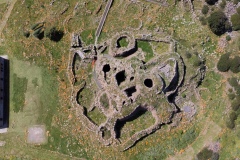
x: 6, y: 15
x: 207, y: 135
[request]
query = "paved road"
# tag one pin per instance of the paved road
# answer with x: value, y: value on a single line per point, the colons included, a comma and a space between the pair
x: 100, y: 26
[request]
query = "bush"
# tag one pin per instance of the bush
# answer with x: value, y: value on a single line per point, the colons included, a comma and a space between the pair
x: 228, y: 38
x: 230, y: 124
x: 237, y: 89
x: 223, y: 4
x: 188, y: 55
x: 235, y: 19
x: 205, y: 9
x: 54, y: 34
x: 205, y: 154
x: 235, y: 104
x: 218, y: 23
x: 235, y: 64
x: 203, y: 21
x: 197, y: 62
x: 233, y: 116
x: 236, y: 1
x: 211, y: 2
x: 231, y: 96
x: 233, y: 82
x: 223, y: 64
x: 238, y: 10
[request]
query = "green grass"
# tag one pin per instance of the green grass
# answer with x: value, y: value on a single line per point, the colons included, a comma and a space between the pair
x: 104, y: 101
x: 88, y: 36
x: 170, y: 144
x: 96, y: 116
x: 147, y: 48
x: 123, y: 42
x: 3, y: 9
x: 48, y: 100
x: 19, y: 90
x: 60, y: 142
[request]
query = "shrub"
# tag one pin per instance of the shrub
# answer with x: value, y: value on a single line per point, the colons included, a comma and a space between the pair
x: 238, y: 10
x: 223, y: 4
x: 205, y: 9
x: 211, y: 2
x: 218, y: 23
x: 233, y: 82
x: 236, y: 1
x: 230, y: 124
x: 197, y: 62
x: 235, y: 104
x: 188, y: 55
x: 235, y: 64
x: 233, y: 116
x: 54, y: 34
x: 223, y: 64
x: 228, y: 38
x: 235, y: 19
x: 231, y: 96
x: 205, y: 154
x: 237, y: 89
x: 203, y: 21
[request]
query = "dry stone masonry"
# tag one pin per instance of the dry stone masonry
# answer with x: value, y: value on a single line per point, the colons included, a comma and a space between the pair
x: 129, y: 85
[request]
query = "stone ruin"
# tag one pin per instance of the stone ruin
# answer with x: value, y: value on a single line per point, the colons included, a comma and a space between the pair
x: 131, y: 85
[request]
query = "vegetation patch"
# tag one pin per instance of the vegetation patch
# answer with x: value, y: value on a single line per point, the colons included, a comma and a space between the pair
x: 218, y: 23
x: 19, y: 90
x: 147, y: 48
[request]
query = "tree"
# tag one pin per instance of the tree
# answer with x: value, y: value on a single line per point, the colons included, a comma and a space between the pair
x: 235, y: 19
x: 205, y: 9
x: 218, y: 23
x: 223, y: 64
x: 235, y: 64
x: 211, y: 2
x: 54, y: 34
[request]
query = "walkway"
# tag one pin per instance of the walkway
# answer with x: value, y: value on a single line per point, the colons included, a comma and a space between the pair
x: 100, y: 26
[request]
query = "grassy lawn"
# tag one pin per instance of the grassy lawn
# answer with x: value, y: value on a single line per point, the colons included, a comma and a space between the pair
x: 147, y: 48
x: 3, y: 8
x: 123, y: 42
x: 19, y: 90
